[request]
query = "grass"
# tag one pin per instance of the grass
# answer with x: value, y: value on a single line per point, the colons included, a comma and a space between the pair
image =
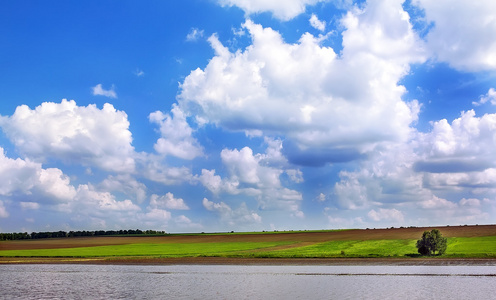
x: 157, y: 250
x: 472, y: 247
x: 372, y: 248
x: 463, y: 242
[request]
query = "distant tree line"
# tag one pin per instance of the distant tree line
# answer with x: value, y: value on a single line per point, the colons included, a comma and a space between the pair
x: 64, y: 234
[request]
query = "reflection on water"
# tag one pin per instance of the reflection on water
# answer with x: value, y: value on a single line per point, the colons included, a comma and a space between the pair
x: 246, y: 282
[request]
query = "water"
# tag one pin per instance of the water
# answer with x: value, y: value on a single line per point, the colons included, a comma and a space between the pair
x: 246, y: 282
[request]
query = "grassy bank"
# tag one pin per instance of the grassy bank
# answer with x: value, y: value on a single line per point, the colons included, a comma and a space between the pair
x: 471, y: 242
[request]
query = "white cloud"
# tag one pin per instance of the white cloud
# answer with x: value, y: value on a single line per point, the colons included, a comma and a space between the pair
x: 152, y: 167
x: 316, y: 23
x: 99, y: 91
x: 167, y: 201
x: 3, y: 211
x: 428, y: 174
x: 465, y: 145
x: 194, y: 34
x: 462, y: 32
x: 283, y: 10
x: 242, y: 164
x: 437, y: 203
x: 489, y: 97
x: 253, y: 176
x: 386, y: 214
x: 241, y: 215
x: 335, y: 108
x: 351, y: 192
x: 177, y: 139
x: 295, y: 175
x: 184, y: 222
x: 321, y: 197
x: 29, y: 205
x: 101, y: 203
x: 74, y: 134
x: 127, y: 184
x: 139, y: 73
x: 24, y: 178
x: 156, y: 217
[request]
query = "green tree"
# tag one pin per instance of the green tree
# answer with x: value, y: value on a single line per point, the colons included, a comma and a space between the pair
x: 432, y: 242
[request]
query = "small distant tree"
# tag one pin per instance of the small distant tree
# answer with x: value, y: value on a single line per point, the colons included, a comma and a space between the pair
x: 432, y: 242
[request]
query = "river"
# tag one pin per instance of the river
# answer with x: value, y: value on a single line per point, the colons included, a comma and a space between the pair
x: 246, y: 282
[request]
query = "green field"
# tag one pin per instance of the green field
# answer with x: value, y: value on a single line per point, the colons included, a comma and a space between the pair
x: 155, y: 250
x: 463, y: 247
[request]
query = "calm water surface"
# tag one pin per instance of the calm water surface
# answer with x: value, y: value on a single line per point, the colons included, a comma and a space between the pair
x: 246, y: 282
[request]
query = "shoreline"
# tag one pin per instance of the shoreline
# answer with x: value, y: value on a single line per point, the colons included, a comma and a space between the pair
x: 254, y: 261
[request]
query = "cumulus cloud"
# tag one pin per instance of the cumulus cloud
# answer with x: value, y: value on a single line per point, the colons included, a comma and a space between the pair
x: 127, y: 184
x: 139, y: 73
x: 31, y: 187
x: 316, y: 23
x: 240, y: 216
x: 336, y: 108
x: 100, y: 203
x: 78, y: 134
x: 167, y: 201
x: 467, y: 144
x: 194, y: 34
x: 177, y: 139
x: 489, y: 97
x: 156, y: 217
x: 295, y: 175
x: 248, y: 175
x: 3, y: 211
x: 184, y: 222
x: 98, y: 90
x: 24, y: 178
x: 460, y: 34
x: 386, y: 214
x: 429, y: 174
x: 283, y: 10
x: 29, y: 205
x: 153, y: 168
x: 321, y: 197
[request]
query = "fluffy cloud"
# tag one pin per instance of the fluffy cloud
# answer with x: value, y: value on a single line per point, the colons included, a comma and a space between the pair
x: 29, y: 205
x: 283, y: 10
x: 100, y: 203
x: 316, y: 23
x: 24, y: 178
x: 489, y: 97
x: 3, y: 211
x: 153, y: 168
x: 176, y: 134
x: 335, y: 108
x: 127, y: 184
x: 429, y: 175
x: 98, y: 90
x: 184, y: 222
x: 459, y: 157
x: 76, y: 134
x: 386, y: 214
x: 461, y: 32
x: 167, y: 201
x: 240, y: 216
x: 250, y: 175
x: 27, y: 184
x: 465, y: 145
x: 156, y: 215
x: 194, y: 35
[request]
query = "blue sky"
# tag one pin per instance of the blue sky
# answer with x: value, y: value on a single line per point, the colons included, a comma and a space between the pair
x: 206, y: 115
